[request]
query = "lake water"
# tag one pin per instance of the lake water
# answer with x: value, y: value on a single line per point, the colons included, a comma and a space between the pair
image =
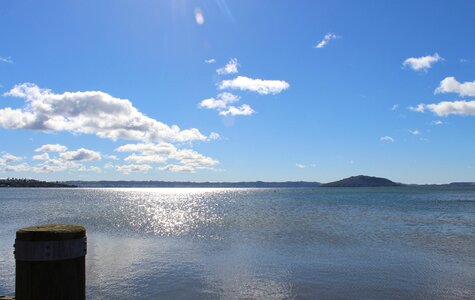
x: 325, y: 243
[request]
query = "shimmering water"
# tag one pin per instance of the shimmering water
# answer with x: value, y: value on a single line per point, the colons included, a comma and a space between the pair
x: 325, y: 243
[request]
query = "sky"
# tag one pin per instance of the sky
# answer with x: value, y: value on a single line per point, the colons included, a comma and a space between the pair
x: 244, y: 90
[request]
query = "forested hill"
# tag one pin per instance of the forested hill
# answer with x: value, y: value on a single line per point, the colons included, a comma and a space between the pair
x: 361, y: 181
x: 16, y: 182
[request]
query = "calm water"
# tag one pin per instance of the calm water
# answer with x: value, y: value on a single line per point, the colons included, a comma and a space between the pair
x: 326, y: 243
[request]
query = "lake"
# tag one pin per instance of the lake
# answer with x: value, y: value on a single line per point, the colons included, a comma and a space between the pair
x: 283, y: 243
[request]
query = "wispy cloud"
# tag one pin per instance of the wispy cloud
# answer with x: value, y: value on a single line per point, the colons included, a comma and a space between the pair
x: 263, y: 87
x: 451, y: 85
x: 230, y: 68
x: 199, y: 18
x: 6, y: 59
x: 210, y: 61
x: 422, y: 63
x: 387, y: 138
x: 326, y: 39
x: 91, y: 112
x: 304, y: 166
x: 395, y: 107
x: 415, y: 132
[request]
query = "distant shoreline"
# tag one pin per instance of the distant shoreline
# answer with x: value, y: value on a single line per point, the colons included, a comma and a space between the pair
x: 351, y: 182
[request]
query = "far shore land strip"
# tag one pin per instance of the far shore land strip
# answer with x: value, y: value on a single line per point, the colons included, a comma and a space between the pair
x: 354, y: 181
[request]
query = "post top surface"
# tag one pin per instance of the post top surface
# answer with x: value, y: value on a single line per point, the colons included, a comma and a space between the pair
x: 51, y: 232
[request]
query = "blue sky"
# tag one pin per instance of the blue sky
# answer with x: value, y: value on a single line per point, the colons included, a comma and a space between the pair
x: 259, y: 90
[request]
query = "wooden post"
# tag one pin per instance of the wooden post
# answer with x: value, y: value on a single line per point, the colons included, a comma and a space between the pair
x: 50, y: 262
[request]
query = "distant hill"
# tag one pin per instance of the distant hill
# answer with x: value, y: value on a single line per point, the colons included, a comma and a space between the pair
x: 251, y: 184
x: 461, y: 184
x: 16, y: 182
x: 361, y: 181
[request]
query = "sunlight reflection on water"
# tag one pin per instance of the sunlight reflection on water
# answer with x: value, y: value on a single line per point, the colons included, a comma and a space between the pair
x: 259, y: 243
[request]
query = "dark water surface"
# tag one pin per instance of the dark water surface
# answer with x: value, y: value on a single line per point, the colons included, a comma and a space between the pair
x: 326, y: 243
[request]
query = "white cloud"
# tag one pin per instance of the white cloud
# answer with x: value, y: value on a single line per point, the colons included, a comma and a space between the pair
x: 451, y: 85
x: 90, y: 169
x: 422, y: 63
x: 221, y: 104
x: 230, y: 68
x: 140, y: 159
x: 6, y: 59
x: 418, y: 108
x: 90, y: 112
x: 263, y: 87
x: 395, y: 107
x: 43, y: 156
x: 326, y: 39
x: 210, y: 61
x: 8, y: 158
x: 199, y: 18
x: 221, y: 101
x: 446, y: 108
x: 149, y: 149
x: 56, y: 165
x: 164, y: 152
x: 214, y: 136
x: 387, y: 139
x: 437, y: 122
x: 24, y: 167
x: 243, y: 110
x: 47, y: 164
x: 177, y: 168
x: 52, y: 148
x: 111, y: 157
x: 133, y: 168
x: 80, y: 155
x: 415, y: 132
